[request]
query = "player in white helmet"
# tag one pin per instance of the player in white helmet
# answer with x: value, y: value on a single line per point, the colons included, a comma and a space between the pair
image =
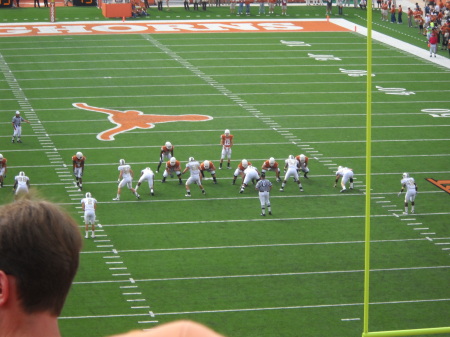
x: 291, y: 167
x: 240, y: 169
x: 303, y: 163
x: 125, y: 179
x: 193, y: 167
x: 17, y: 121
x: 147, y: 175
x: 173, y: 166
x: 226, y: 140
x: 250, y: 174
x: 165, y: 154
x: 346, y: 174
x: 271, y: 165
x: 21, y: 184
x: 89, y: 206
x: 208, y: 166
x: 3, y: 169
x: 410, y: 185
x: 78, y: 161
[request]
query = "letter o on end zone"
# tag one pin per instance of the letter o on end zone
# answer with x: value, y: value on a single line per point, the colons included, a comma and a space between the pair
x: 119, y: 28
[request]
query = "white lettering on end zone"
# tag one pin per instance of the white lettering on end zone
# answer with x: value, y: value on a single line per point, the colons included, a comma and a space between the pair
x: 25, y: 29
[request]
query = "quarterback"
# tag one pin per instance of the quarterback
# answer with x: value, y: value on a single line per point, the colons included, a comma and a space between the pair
x: 193, y: 167
x: 125, y: 179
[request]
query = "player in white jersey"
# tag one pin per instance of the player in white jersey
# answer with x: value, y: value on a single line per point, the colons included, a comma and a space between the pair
x: 250, y: 174
x: 146, y: 175
x: 346, y: 174
x: 21, y: 184
x: 193, y: 167
x: 291, y: 167
x: 89, y: 205
x: 17, y: 121
x: 125, y: 179
x: 410, y: 185
x: 264, y: 186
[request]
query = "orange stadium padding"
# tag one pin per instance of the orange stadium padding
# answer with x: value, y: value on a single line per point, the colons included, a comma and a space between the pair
x: 116, y: 10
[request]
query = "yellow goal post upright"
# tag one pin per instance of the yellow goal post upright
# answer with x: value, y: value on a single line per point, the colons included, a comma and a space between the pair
x: 366, y: 333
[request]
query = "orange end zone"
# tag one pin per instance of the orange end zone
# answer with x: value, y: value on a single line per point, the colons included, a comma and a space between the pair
x: 150, y: 27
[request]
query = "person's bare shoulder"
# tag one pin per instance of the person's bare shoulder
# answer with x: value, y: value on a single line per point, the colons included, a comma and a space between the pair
x: 175, y: 329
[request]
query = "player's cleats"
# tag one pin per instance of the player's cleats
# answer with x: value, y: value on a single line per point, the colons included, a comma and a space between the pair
x: 241, y: 191
x: 282, y: 189
x: 93, y: 235
x: 12, y: 140
x: 187, y: 195
x: 405, y: 213
x: 116, y: 199
x: 138, y: 196
x: 262, y: 214
x: 301, y: 189
x: 19, y: 141
x: 87, y: 236
x: 270, y: 213
x: 342, y: 190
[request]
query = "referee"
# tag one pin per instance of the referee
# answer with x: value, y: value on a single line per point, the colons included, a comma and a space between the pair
x: 16, y: 123
x: 264, y: 186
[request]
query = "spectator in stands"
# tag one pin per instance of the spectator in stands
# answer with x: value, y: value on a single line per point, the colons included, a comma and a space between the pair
x: 240, y: 7
x: 247, y: 7
x: 340, y: 6
x: 363, y: 4
x: 186, y: 5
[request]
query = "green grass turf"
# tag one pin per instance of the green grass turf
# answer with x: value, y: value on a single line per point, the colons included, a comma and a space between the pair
x: 213, y: 258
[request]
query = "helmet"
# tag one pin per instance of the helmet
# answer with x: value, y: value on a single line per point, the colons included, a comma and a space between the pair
x: 169, y: 145
x: 79, y: 155
x: 17, y: 112
x: 88, y: 195
x: 22, y: 174
x: 206, y: 164
x: 227, y: 132
x: 271, y: 160
x: 148, y: 168
x: 1, y: 156
x: 302, y: 157
x: 405, y: 175
x: 244, y: 163
x: 340, y: 168
x: 291, y: 156
x: 191, y: 159
x: 173, y: 160
x: 122, y: 161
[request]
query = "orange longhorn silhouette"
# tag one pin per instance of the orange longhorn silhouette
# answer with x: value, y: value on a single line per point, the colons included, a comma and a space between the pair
x: 133, y: 119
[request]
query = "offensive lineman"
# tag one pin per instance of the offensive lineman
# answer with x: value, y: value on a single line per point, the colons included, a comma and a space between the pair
x: 346, y: 174
x: 172, y: 166
x: 165, y: 154
x: 226, y: 140
x: 291, y: 167
x: 125, y: 179
x: 240, y: 169
x: 89, y: 206
x: 17, y: 126
x: 194, y: 167
x: 271, y: 165
x: 3, y: 169
x: 209, y: 167
x: 78, y: 169
x: 146, y: 175
x: 303, y: 163
x: 264, y: 186
x: 410, y: 185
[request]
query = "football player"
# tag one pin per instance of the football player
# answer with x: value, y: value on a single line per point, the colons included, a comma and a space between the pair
x: 193, y: 167
x: 78, y: 169
x: 146, y: 175
x: 172, y: 166
x: 410, y: 185
x: 303, y: 162
x: 291, y: 167
x: 89, y: 206
x: 21, y: 184
x: 209, y: 167
x: 226, y: 140
x: 125, y: 179
x: 346, y: 174
x: 3, y: 169
x: 271, y: 165
x: 165, y: 154
x: 240, y: 170
x: 250, y: 174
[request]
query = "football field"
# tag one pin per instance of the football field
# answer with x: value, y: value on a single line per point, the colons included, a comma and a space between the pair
x: 212, y: 258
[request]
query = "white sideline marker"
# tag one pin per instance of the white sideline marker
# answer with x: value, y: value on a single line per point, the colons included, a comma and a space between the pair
x: 350, y: 319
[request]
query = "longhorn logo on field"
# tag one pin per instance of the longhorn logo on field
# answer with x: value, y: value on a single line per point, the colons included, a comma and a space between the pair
x: 442, y: 184
x: 132, y: 119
